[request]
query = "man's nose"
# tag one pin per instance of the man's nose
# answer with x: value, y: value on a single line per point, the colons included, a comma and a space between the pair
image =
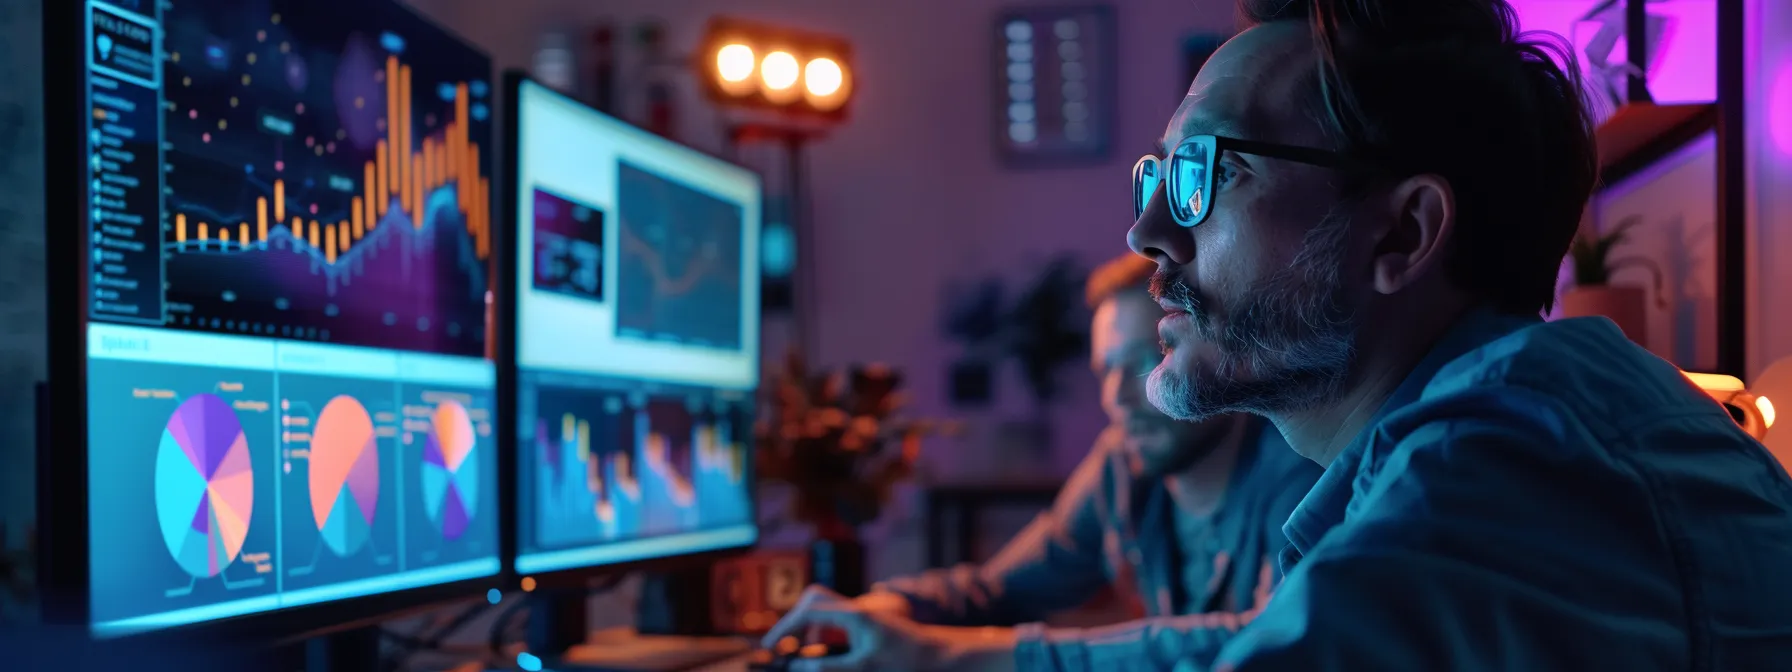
x: 1158, y: 237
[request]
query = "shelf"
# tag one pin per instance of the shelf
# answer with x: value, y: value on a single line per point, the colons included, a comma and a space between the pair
x: 1639, y: 133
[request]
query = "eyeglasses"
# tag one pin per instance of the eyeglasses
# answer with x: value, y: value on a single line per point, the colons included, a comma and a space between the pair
x: 1189, y: 188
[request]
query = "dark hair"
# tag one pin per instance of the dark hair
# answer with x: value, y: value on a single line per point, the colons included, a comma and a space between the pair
x: 1118, y: 275
x: 1451, y: 88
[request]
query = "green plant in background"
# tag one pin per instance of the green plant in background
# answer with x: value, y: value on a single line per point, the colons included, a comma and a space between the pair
x: 838, y: 440
x: 1593, y: 259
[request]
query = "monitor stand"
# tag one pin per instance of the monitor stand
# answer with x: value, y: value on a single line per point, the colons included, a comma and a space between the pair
x: 354, y: 649
x: 560, y: 635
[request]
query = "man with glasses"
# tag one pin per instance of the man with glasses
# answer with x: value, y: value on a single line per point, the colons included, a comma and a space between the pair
x: 1182, y: 517
x: 1358, y: 217
x: 1357, y: 220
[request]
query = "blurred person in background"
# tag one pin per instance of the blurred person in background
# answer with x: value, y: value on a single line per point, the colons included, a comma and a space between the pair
x: 1184, y: 518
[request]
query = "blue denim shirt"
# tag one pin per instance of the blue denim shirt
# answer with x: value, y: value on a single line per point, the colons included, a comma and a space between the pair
x: 1109, y: 527
x: 1533, y: 497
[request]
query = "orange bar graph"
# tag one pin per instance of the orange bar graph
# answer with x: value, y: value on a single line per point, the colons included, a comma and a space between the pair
x: 417, y: 190
x: 464, y: 165
x: 279, y: 200
x: 330, y: 244
x: 358, y: 218
x: 202, y: 234
x: 469, y: 177
x: 298, y: 228
x: 342, y: 239
x: 314, y: 232
x: 371, y: 216
x: 180, y: 228
x: 261, y: 219
x: 389, y: 170
x: 482, y: 214
x: 384, y: 175
x: 242, y: 234
x: 223, y: 236
x: 406, y: 180
x: 429, y: 164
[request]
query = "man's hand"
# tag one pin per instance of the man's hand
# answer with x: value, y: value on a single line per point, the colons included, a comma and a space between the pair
x: 880, y: 636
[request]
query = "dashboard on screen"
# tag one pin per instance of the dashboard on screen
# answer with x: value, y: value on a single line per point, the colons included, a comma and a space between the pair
x: 289, y: 398
x: 637, y: 305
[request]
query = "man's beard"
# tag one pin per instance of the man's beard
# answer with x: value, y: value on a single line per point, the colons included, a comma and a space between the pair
x: 1287, y: 344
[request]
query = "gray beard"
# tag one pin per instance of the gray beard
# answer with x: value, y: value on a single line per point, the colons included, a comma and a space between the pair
x: 1287, y: 347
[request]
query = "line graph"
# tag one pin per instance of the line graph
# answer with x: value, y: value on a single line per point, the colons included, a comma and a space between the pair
x: 360, y: 218
x: 680, y: 263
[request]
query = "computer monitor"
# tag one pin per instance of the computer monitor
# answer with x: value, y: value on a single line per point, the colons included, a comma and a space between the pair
x: 636, y: 285
x: 272, y: 313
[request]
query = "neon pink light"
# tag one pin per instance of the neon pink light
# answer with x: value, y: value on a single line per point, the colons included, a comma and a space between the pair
x: 1685, y: 64
x: 1779, y: 109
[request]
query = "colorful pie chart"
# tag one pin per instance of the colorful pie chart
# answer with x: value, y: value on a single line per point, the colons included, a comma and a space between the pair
x: 450, y: 476
x: 205, y: 490
x: 345, y: 475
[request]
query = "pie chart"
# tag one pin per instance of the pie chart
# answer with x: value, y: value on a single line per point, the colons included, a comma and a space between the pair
x: 345, y: 475
x: 450, y: 479
x: 205, y: 490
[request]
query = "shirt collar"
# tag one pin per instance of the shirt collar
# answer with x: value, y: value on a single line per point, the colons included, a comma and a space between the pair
x: 1323, y: 507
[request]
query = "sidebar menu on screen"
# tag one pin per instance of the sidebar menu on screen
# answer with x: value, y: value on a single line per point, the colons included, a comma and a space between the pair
x: 125, y: 164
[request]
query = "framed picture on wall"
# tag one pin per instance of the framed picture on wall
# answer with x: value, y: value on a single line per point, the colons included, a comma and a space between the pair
x: 1054, y: 80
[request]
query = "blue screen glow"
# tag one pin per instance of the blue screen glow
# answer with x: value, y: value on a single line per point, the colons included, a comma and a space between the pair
x: 289, y: 400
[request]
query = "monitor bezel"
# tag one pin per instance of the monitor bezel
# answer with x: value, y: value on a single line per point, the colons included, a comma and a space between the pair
x: 63, y: 537
x: 509, y: 373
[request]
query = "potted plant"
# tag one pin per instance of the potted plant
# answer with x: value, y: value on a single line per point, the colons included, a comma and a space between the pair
x: 1593, y: 293
x: 838, y: 440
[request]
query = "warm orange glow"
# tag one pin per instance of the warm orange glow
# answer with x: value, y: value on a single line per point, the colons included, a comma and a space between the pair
x: 417, y: 189
x: 180, y: 228
x: 734, y: 62
x: 823, y: 77
x: 779, y: 71
x: 279, y: 200
x: 384, y: 172
x: 314, y: 233
x: 1715, y: 382
x: 242, y: 234
x: 368, y: 200
x: 261, y: 219
x: 389, y: 171
x: 342, y: 239
x: 330, y: 244
x: 358, y: 218
x: 406, y: 178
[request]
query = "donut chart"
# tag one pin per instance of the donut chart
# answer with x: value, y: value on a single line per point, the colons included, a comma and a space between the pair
x: 345, y: 475
x: 450, y: 479
x: 204, y: 485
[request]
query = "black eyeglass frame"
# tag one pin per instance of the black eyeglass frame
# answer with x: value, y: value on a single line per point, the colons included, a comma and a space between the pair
x: 1189, y: 211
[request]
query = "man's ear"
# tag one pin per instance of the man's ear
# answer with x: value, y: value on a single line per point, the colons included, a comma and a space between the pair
x: 1422, y: 210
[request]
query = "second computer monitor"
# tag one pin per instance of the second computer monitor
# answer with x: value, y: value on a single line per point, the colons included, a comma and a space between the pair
x: 636, y: 283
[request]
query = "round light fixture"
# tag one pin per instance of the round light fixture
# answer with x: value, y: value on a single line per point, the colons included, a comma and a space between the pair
x: 778, y: 73
x: 826, y: 84
x: 734, y: 68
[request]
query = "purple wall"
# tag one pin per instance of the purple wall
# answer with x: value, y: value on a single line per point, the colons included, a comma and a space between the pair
x: 909, y: 195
